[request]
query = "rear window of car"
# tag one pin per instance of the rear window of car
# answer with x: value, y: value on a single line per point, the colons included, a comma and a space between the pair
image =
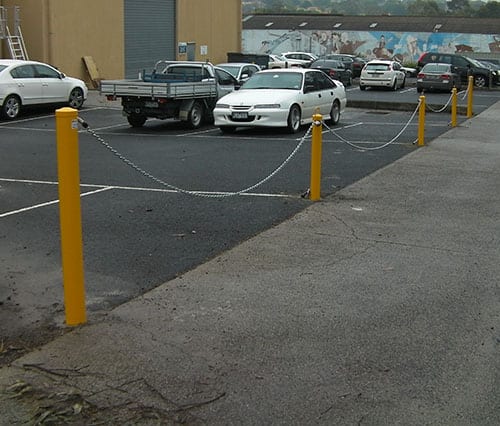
x: 378, y: 67
x: 438, y: 68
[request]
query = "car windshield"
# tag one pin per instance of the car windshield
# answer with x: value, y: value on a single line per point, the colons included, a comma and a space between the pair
x: 274, y: 80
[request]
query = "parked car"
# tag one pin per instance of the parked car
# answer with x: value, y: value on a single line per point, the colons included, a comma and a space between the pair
x: 354, y: 63
x: 240, y: 70
x: 382, y: 73
x: 334, y: 69
x: 438, y: 77
x: 25, y: 83
x: 276, y: 61
x: 494, y: 68
x: 462, y: 65
x: 285, y: 97
x: 301, y: 59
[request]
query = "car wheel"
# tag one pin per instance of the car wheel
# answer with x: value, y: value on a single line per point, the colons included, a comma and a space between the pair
x: 227, y: 129
x: 136, y: 120
x: 76, y: 98
x: 335, y: 113
x: 480, y: 81
x: 362, y: 87
x: 293, y: 121
x: 11, y: 107
x: 195, y: 115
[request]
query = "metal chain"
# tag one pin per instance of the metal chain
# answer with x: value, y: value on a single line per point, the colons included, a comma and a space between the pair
x: 204, y: 194
x: 383, y: 145
x: 441, y: 109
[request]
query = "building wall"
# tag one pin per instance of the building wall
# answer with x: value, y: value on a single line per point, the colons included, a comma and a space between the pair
x: 213, y: 25
x: 404, y: 46
x: 61, y: 32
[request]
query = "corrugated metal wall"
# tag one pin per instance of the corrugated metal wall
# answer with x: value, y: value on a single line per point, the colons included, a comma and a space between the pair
x: 149, y: 33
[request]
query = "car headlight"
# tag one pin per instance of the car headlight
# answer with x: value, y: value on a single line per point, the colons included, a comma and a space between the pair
x: 267, y: 106
x: 222, y: 106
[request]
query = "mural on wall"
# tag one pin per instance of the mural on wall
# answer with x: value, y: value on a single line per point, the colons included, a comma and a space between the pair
x: 405, y: 47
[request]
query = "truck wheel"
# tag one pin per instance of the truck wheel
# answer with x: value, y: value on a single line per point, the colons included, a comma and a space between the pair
x: 136, y: 120
x: 195, y: 115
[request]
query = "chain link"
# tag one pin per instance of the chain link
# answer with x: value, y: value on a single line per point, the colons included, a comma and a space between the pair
x: 384, y: 144
x: 204, y: 194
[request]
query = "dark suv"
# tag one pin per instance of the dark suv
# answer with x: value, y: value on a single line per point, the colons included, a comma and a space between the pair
x: 462, y: 65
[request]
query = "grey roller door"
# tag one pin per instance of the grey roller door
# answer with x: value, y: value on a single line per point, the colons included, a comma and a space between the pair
x: 149, y: 34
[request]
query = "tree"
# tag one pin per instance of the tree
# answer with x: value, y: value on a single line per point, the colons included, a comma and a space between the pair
x: 489, y: 10
x: 425, y: 8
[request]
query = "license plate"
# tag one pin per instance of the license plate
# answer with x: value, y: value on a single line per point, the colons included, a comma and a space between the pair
x: 240, y: 115
x: 150, y: 104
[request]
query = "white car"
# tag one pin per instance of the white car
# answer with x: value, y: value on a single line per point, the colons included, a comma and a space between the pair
x: 382, y: 73
x: 276, y: 61
x: 24, y: 83
x: 241, y: 71
x: 285, y: 97
x: 301, y: 59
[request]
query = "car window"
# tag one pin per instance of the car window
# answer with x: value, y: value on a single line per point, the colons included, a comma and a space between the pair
x: 43, y: 71
x: 225, y: 78
x: 458, y: 61
x: 274, y: 80
x: 23, y: 71
x: 396, y: 66
x: 2, y: 67
x: 231, y: 69
x: 377, y: 67
x: 323, y: 82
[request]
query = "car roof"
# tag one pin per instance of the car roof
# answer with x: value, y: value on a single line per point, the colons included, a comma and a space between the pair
x: 380, y: 61
x: 290, y: 70
x: 237, y: 64
x: 9, y: 62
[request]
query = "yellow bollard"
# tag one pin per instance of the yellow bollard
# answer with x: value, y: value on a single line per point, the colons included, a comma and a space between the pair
x: 470, y: 96
x: 70, y: 215
x: 421, y: 121
x: 316, y: 142
x: 454, y: 107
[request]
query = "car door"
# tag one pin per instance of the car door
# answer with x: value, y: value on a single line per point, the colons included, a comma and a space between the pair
x: 54, y: 88
x: 316, y: 98
x: 28, y: 86
x: 226, y: 82
x: 400, y: 75
x: 461, y: 67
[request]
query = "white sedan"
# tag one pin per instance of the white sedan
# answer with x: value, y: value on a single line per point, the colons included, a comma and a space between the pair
x: 24, y: 83
x: 281, y: 98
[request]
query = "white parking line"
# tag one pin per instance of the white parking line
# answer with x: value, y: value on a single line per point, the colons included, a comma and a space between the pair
x: 101, y: 188
x: 48, y: 203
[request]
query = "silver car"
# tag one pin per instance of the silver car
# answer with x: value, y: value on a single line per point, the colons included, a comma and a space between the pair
x: 435, y: 76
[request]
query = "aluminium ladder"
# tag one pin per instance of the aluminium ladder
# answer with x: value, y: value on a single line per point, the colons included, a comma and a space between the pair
x: 16, y: 44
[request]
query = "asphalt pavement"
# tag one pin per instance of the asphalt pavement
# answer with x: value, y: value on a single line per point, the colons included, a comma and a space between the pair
x: 378, y: 305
